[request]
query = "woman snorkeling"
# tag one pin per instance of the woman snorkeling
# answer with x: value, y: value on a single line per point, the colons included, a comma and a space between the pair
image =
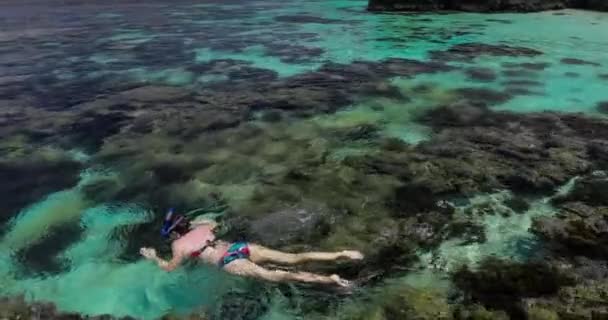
x: 196, y: 239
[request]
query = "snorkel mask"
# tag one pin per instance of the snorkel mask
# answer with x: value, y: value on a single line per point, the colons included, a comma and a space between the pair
x: 170, y: 223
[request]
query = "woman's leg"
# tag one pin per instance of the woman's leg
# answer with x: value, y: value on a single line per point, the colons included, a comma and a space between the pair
x: 246, y: 268
x: 261, y: 254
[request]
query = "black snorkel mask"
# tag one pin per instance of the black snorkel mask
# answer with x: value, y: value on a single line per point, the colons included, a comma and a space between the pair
x: 170, y: 223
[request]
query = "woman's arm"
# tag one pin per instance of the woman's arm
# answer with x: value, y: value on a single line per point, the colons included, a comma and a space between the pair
x: 150, y: 254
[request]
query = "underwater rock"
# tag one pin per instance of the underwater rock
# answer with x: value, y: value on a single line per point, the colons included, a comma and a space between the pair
x: 484, y: 5
x: 598, y: 150
x: 414, y: 198
x: 589, y: 190
x: 517, y: 204
x: 578, y: 230
x: 467, y: 52
x: 585, y: 269
x: 287, y: 226
x: 467, y: 230
x: 391, y: 251
x: 502, y: 285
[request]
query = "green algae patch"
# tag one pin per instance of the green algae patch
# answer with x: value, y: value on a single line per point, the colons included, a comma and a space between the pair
x: 539, y: 313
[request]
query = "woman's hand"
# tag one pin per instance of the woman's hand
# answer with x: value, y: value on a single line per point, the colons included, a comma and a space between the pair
x: 148, y: 253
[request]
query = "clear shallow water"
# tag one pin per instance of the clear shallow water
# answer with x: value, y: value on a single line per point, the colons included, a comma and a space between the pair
x: 54, y: 59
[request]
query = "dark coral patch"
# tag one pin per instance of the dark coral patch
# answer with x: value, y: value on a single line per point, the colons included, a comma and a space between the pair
x: 90, y: 131
x: 603, y: 107
x: 29, y: 181
x: 522, y: 91
x: 581, y: 226
x: 470, y: 51
x: 253, y: 74
x: 456, y: 115
x: 519, y: 73
x: 489, y: 96
x: 502, y: 285
x: 580, y: 62
x: 578, y: 230
x: 294, y: 53
x: 163, y: 51
x: 412, y: 199
x: 589, y: 190
x: 518, y: 152
x: 301, y: 18
x: 571, y: 74
x: 517, y: 204
x: 500, y: 21
x: 522, y: 83
x: 43, y: 256
x: 535, y: 66
x: 481, y: 74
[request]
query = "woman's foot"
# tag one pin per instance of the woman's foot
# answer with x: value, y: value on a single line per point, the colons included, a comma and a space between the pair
x: 351, y: 254
x: 339, y: 281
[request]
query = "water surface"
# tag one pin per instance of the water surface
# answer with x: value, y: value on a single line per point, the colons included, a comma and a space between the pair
x: 113, y: 111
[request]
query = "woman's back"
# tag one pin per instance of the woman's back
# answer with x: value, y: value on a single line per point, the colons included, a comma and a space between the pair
x: 194, y: 240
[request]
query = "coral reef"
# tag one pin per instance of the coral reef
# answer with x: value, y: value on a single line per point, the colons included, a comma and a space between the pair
x: 484, y: 6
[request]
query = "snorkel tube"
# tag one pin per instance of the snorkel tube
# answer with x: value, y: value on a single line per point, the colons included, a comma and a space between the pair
x: 170, y: 223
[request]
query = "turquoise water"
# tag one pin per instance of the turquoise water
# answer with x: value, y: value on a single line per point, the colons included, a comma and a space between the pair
x: 268, y: 104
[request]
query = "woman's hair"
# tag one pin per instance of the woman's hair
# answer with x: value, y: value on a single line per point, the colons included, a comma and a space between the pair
x: 174, y: 223
x: 182, y: 227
